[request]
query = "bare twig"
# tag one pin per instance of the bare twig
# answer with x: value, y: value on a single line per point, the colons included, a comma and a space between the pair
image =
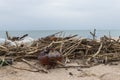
x: 8, y: 36
x: 81, y: 66
x: 95, y: 53
x: 93, y: 34
x: 38, y: 69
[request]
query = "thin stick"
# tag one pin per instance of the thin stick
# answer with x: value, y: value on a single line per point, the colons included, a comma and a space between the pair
x: 8, y: 36
x: 24, y: 69
x: 21, y: 68
x: 6, y: 49
x: 81, y: 66
x: 61, y: 47
x: 72, y: 49
x: 95, y: 53
x: 93, y: 34
x: 34, y: 66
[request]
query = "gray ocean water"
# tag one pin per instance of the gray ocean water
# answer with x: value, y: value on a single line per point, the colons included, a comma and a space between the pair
x: 42, y: 33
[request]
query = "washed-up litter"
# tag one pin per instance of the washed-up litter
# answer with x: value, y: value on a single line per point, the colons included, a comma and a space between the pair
x: 57, y: 50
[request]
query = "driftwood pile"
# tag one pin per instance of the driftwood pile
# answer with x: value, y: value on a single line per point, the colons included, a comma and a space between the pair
x: 90, y: 51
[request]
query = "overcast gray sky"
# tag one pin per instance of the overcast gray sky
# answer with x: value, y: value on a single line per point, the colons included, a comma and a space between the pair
x: 59, y: 14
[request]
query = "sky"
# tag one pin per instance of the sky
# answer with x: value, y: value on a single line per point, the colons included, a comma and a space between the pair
x: 59, y: 14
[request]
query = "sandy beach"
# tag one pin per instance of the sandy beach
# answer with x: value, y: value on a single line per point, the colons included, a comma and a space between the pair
x: 99, y: 72
x: 59, y: 39
x: 111, y: 71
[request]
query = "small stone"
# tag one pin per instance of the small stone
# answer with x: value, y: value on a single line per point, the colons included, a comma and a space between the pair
x: 79, y: 69
x: 70, y: 73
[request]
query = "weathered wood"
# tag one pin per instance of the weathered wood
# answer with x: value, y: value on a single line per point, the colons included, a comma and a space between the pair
x: 8, y: 36
x: 107, y: 49
x: 93, y: 34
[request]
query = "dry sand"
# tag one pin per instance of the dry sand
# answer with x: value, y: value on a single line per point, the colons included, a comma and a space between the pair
x: 99, y: 72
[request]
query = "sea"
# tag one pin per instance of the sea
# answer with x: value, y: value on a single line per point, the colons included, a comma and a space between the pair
x: 43, y: 33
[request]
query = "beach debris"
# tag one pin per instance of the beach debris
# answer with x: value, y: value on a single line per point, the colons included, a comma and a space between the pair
x: 93, y: 34
x: 53, y: 49
x: 15, y: 38
x: 50, y: 58
x: 27, y: 41
x: 4, y: 62
x: 70, y: 73
x: 17, y: 41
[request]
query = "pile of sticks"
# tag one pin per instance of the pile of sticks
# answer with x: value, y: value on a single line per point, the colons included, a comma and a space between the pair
x: 71, y: 47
